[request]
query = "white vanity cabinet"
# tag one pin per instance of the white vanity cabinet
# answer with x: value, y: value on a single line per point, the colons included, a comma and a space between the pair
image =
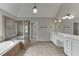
x: 71, y: 46
x: 75, y: 47
x: 53, y: 38
x: 69, y: 42
x: 68, y: 46
x: 56, y: 39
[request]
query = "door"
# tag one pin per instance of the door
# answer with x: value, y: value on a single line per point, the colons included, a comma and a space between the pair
x: 75, y: 28
x: 34, y: 30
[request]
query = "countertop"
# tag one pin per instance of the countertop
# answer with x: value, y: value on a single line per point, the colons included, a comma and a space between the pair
x: 71, y: 36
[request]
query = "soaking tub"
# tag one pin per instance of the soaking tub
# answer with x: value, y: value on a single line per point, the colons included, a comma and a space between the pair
x: 12, y: 46
x: 6, y: 46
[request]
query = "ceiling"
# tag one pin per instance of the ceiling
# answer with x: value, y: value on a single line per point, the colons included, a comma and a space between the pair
x: 25, y: 9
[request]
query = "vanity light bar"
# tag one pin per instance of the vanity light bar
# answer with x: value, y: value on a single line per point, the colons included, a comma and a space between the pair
x: 69, y: 16
x: 57, y: 21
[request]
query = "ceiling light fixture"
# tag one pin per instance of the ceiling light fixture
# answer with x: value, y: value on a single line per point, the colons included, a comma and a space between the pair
x: 35, y: 9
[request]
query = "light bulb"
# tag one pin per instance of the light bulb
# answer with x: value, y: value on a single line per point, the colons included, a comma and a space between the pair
x: 55, y: 21
x: 35, y: 10
x: 71, y: 16
x: 59, y: 20
x: 65, y: 17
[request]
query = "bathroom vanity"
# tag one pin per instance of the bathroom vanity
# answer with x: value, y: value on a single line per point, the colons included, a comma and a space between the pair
x: 69, y: 42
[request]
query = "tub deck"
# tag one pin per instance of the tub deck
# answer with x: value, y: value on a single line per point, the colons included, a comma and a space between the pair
x: 11, y: 47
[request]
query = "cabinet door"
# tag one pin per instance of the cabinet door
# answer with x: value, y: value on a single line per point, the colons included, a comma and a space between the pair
x: 75, y: 47
x: 67, y: 46
x: 53, y: 38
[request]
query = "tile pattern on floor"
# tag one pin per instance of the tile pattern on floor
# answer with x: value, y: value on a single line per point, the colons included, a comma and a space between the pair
x: 42, y: 49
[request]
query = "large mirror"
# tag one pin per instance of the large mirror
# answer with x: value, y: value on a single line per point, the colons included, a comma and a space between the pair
x: 68, y: 26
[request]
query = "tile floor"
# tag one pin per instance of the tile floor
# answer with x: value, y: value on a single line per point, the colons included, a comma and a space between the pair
x: 42, y: 49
